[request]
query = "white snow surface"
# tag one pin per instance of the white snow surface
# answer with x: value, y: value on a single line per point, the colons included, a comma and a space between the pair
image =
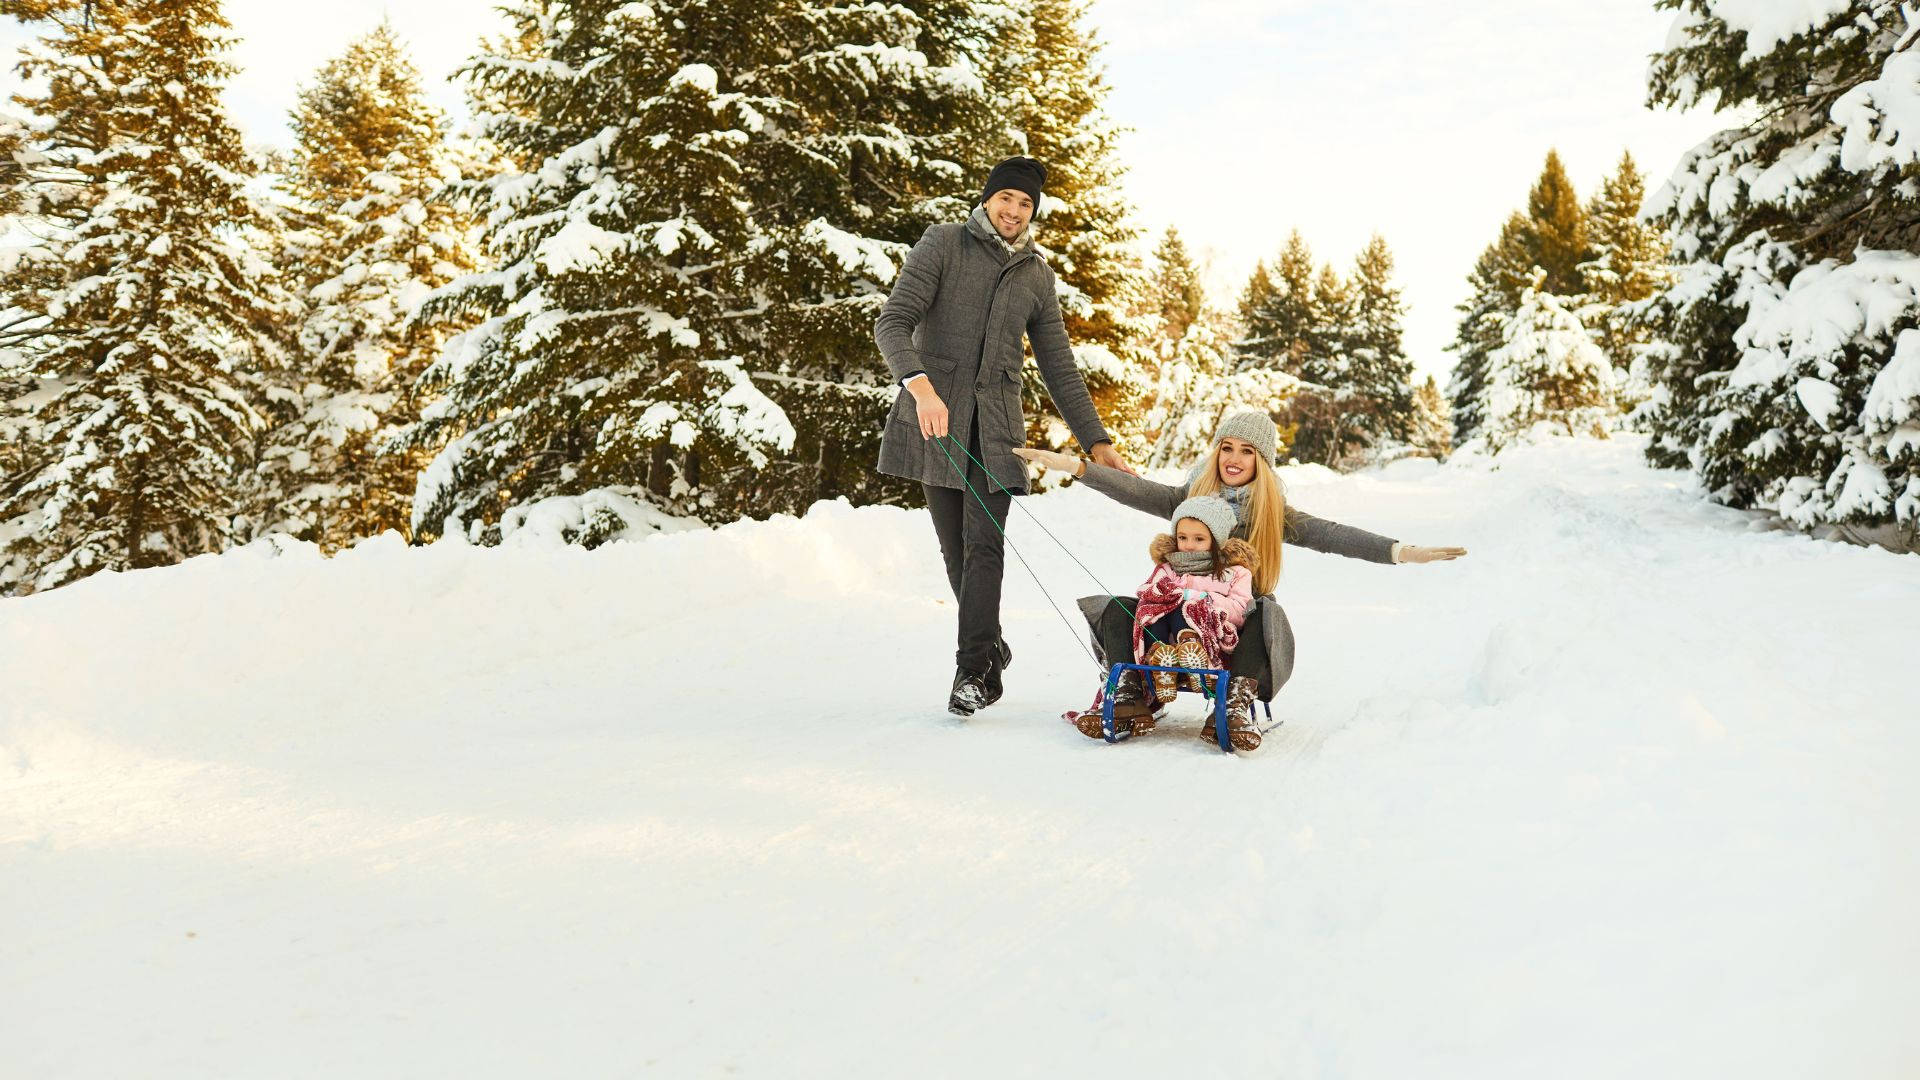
x: 1626, y: 792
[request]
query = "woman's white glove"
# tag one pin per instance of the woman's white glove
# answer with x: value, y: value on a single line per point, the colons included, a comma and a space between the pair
x: 1048, y: 459
x: 1414, y: 553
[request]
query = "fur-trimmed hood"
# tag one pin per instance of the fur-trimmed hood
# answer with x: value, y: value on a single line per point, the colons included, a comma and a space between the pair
x: 1235, y: 552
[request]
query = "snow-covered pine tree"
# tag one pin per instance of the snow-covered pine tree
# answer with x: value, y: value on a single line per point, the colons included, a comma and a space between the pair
x: 1499, y: 276
x: 1550, y: 237
x: 1252, y: 330
x: 1432, y: 426
x: 13, y: 163
x: 1355, y: 373
x: 1174, y: 290
x: 1788, y: 367
x: 1189, y: 355
x: 1322, y: 414
x: 370, y: 157
x: 1086, y: 228
x: 1382, y: 374
x: 608, y: 351
x: 17, y: 327
x: 1277, y: 312
x: 1629, y: 264
x: 151, y: 336
x: 1547, y: 370
x: 880, y: 122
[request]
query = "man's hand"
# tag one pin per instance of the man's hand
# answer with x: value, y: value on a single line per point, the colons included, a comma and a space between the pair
x: 1048, y: 459
x: 1105, y: 454
x: 1414, y: 553
x: 933, y: 411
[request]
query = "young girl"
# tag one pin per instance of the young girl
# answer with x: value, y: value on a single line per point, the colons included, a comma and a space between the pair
x: 1239, y: 467
x: 1189, y: 611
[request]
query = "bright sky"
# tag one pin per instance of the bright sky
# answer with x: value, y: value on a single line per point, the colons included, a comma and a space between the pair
x: 1425, y: 122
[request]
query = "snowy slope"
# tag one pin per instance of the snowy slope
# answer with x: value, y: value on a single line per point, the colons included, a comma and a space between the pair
x: 1627, y: 792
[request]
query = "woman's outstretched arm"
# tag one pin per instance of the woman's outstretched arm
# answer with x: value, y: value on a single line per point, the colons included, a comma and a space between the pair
x: 1307, y: 531
x: 1336, y: 539
x: 1116, y: 484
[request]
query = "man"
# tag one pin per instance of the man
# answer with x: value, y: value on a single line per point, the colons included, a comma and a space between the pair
x: 951, y: 334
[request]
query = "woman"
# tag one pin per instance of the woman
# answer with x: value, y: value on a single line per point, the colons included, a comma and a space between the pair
x: 1239, y: 468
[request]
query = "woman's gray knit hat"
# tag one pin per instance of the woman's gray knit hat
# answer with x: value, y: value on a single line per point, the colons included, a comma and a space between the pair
x: 1256, y: 428
x: 1211, y: 511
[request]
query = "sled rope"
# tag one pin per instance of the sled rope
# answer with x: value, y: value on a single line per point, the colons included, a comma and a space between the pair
x: 1114, y: 597
x: 1206, y: 690
x: 1009, y: 542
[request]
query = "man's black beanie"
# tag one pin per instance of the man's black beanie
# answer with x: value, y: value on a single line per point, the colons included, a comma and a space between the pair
x: 1022, y: 174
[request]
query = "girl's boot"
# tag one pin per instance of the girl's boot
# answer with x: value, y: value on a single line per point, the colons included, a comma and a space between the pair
x: 1192, y: 655
x: 1165, y: 687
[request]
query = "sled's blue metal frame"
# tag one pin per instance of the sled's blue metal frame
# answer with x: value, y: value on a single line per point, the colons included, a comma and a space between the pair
x: 1219, y: 695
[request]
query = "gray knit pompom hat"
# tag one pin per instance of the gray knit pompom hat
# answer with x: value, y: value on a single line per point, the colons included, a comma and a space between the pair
x: 1256, y: 428
x: 1211, y: 511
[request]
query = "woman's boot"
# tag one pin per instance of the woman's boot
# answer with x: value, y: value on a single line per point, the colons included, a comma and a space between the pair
x: 1241, y: 732
x: 1132, y: 712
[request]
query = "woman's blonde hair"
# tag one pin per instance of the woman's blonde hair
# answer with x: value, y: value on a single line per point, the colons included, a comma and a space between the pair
x: 1266, y: 514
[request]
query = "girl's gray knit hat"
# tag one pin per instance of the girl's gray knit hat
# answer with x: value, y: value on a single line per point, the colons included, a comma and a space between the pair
x: 1256, y: 428
x: 1211, y: 511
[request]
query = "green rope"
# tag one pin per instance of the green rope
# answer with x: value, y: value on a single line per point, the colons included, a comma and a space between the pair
x: 1206, y: 688
x: 1009, y: 542
x: 1111, y: 595
x: 1206, y: 683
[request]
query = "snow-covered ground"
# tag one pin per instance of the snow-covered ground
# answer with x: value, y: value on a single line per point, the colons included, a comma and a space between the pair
x: 1627, y: 792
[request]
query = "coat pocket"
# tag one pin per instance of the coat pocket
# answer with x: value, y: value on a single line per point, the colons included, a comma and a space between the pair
x: 934, y: 362
x: 1010, y: 398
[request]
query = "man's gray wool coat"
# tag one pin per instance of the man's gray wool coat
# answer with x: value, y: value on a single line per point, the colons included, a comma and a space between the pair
x: 957, y: 312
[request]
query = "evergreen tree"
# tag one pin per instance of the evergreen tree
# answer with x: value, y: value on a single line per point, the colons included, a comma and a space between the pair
x: 1354, y: 373
x: 1381, y: 373
x: 1086, y: 228
x: 1501, y: 274
x: 1431, y: 429
x: 1784, y: 373
x: 1547, y: 370
x: 1629, y: 264
x: 13, y: 164
x: 370, y: 157
x: 1558, y: 238
x: 878, y: 123
x: 1174, y: 292
x: 1322, y: 412
x: 155, y: 316
x: 1551, y: 238
x: 1287, y: 320
x: 1252, y: 327
x: 1190, y: 349
x: 606, y: 355
x: 707, y: 266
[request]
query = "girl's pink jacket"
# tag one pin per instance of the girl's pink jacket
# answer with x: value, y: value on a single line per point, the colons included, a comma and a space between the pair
x: 1231, y: 596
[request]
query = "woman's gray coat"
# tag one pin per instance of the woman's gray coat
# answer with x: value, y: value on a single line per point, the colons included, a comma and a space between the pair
x: 957, y: 312
x: 1302, y: 529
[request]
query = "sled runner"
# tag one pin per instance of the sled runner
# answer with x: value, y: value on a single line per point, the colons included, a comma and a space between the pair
x: 1212, y: 678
